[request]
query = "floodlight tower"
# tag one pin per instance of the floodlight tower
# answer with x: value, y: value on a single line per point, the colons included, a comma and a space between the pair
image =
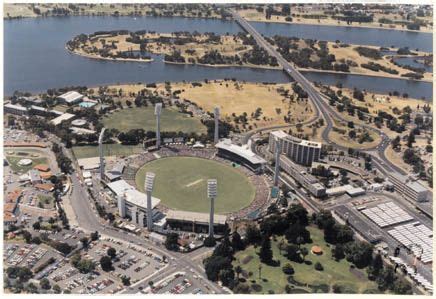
x: 211, y: 194
x: 148, y: 186
x: 157, y: 112
x: 100, y: 149
x: 277, y: 161
x: 216, y: 113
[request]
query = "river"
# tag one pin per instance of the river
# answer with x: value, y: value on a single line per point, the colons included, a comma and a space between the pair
x: 36, y: 59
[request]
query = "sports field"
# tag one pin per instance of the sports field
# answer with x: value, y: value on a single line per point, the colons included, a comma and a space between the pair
x: 144, y: 118
x: 181, y: 184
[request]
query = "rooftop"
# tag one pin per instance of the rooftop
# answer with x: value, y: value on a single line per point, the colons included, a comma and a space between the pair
x: 282, y: 135
x: 16, y: 107
x: 242, y: 151
x: 71, y: 96
x: 194, y: 216
x: 58, y: 120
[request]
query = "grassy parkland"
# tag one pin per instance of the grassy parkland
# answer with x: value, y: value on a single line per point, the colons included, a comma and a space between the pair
x: 306, y: 278
x: 143, y: 118
x: 181, y: 184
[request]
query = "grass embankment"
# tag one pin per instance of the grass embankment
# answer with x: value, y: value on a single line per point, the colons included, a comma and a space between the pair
x: 306, y: 279
x: 181, y: 184
x: 89, y: 151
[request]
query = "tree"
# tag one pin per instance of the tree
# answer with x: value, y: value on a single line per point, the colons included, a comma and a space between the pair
x: 238, y: 271
x: 297, y: 214
x: 266, y: 253
x: 85, y: 242
x: 125, y: 280
x: 376, y: 266
x: 252, y: 235
x: 293, y: 254
x: 27, y: 236
x: 112, y: 252
x: 224, y: 248
x: 402, y: 287
x: 227, y: 277
x: 304, y: 252
x: 171, y: 242
x: 386, y: 279
x: 129, y: 103
x: 359, y: 253
x: 57, y: 289
x: 209, y: 242
x: 338, y: 252
x: 106, y: 263
x: 288, y: 269
x: 318, y: 266
x: 214, y: 264
x: 237, y: 242
x: 36, y: 226
x: 45, y: 284
x: 297, y: 232
x: 94, y: 236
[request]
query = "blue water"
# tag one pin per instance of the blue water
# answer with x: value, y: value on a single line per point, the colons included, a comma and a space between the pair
x: 411, y: 61
x: 36, y: 59
x: 87, y: 104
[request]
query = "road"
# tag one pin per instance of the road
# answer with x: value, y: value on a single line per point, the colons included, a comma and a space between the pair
x: 88, y: 220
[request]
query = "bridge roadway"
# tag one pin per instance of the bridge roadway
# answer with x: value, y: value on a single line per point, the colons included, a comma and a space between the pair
x: 377, y: 152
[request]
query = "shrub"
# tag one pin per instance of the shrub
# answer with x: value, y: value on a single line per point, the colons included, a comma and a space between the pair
x: 318, y: 266
x: 288, y: 269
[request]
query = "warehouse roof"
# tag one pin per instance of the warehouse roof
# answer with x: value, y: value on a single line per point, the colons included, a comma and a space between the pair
x: 58, y: 120
x: 71, y: 96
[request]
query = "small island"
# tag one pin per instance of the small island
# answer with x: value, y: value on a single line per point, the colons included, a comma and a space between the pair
x: 241, y: 50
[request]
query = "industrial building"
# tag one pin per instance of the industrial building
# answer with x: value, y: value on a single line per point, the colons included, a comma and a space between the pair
x: 300, y: 151
x: 195, y: 222
x: 408, y: 188
x: 71, y: 97
x: 64, y: 117
x: 299, y: 174
x: 240, y: 154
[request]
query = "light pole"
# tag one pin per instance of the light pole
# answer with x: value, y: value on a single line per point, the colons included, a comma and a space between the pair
x: 277, y: 158
x: 216, y: 113
x: 148, y: 187
x: 211, y: 194
x: 157, y: 112
x: 100, y: 150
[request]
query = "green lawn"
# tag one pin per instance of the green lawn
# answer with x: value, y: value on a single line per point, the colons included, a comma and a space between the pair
x: 13, y: 162
x: 136, y: 118
x: 116, y: 149
x: 180, y: 183
x: 306, y: 278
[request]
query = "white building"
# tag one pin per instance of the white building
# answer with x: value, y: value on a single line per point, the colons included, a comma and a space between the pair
x: 64, y: 117
x: 300, y: 151
x: 301, y: 175
x: 407, y: 188
x: 135, y: 202
x: 71, y: 97
x: 15, y: 109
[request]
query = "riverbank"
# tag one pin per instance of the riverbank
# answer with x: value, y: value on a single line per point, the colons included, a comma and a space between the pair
x: 255, y: 16
x: 91, y: 56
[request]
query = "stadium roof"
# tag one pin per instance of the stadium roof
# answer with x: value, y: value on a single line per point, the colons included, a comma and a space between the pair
x: 242, y: 151
x: 195, y: 217
x: 133, y: 196
x: 139, y: 199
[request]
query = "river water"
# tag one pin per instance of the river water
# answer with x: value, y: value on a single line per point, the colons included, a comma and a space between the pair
x: 36, y: 59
